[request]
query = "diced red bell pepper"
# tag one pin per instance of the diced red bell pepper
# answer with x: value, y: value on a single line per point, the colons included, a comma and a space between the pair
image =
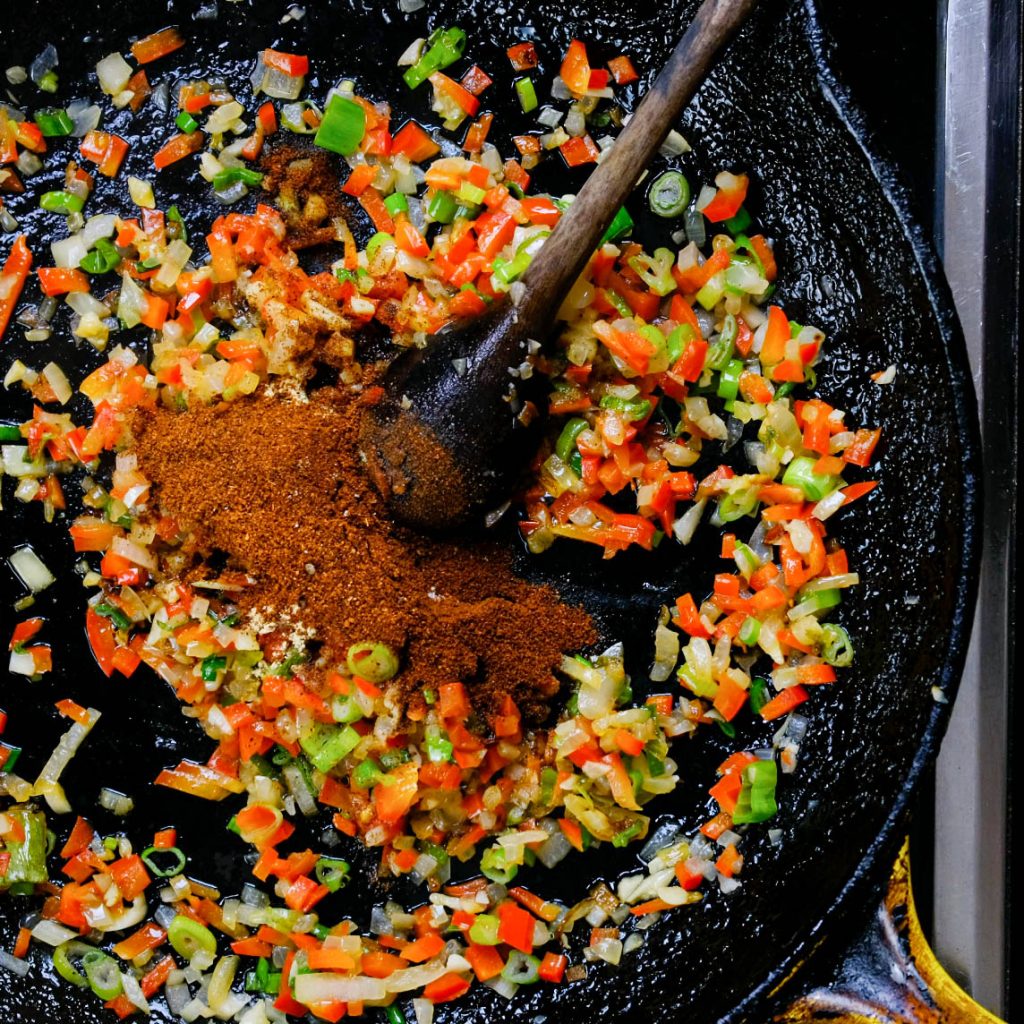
x: 575, y: 70
x: 177, y: 148
x: 290, y: 64
x: 523, y: 56
x: 157, y: 45
x: 622, y: 70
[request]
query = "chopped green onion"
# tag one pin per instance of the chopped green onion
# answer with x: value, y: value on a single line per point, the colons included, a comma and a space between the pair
x: 187, y: 937
x: 739, y: 223
x: 629, y: 833
x: 470, y: 193
x: 256, y: 980
x: 444, y: 47
x: 521, y: 969
x: 103, y: 974
x: 117, y: 616
x: 394, y: 1015
x: 62, y: 955
x: 343, y: 126
x: 484, y: 930
x: 439, y: 748
x: 729, y: 381
x: 397, y: 203
x: 186, y: 122
x: 61, y: 202
x: 169, y: 851
x: 441, y: 207
x: 325, y: 745
x: 630, y: 409
x: 527, y: 94
x: 566, y: 443
x: 721, y: 350
x: 375, y: 662
x: 669, y: 195
x: 10, y: 432
x: 48, y: 81
x: 101, y: 259
x: 837, y: 648
x: 756, y: 802
x: 54, y: 123
x: 758, y: 694
x: 367, y: 774
x: 750, y: 631
x: 815, y: 601
x: 231, y: 175
x: 620, y: 304
x: 494, y: 864
x: 621, y: 225
x: 800, y: 473
x: 176, y: 228
x: 211, y: 665
x: 346, y: 709
x: 332, y: 872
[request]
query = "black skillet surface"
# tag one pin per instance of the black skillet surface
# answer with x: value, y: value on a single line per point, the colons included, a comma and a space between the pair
x: 852, y: 263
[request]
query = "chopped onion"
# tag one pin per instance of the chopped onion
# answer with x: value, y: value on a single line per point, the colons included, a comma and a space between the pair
x: 666, y: 653
x: 85, y: 115
x: 133, y: 991
x: 686, y: 525
x: 674, y: 144
x: 116, y: 802
x: 58, y: 381
x: 135, y: 553
x: 141, y: 193
x: 299, y: 790
x: 27, y: 564
x: 43, y: 64
x: 47, y: 784
x: 707, y: 193
x: 424, y: 1010
x: 28, y: 163
x: 113, y: 72
x: 22, y: 967
x: 69, y: 252
x: 505, y: 989
x: 52, y: 933
x: 329, y: 988
x: 15, y: 456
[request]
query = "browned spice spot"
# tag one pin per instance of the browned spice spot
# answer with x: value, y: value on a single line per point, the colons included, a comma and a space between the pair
x: 306, y: 187
x: 278, y: 487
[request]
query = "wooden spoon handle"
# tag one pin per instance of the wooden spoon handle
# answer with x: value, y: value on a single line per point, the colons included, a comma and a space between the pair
x: 563, y: 256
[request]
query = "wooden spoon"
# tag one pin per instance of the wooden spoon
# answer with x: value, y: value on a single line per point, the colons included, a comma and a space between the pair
x: 457, y: 421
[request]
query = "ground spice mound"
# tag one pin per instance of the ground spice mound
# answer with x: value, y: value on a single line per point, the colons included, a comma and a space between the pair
x: 276, y: 486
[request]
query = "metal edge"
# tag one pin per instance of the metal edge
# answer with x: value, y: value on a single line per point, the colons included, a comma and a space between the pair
x: 875, y: 864
x: 979, y: 214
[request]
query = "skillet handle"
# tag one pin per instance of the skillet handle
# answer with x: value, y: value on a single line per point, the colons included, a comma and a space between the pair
x: 890, y: 975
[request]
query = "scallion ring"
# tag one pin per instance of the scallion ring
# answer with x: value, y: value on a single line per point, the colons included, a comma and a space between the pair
x: 103, y: 974
x: 62, y: 957
x: 332, y: 872
x: 837, y: 648
x: 669, y: 195
x: 374, y: 662
x: 188, y: 937
x: 169, y: 851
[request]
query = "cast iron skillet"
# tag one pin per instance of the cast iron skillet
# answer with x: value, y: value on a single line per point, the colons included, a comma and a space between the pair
x: 852, y: 262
